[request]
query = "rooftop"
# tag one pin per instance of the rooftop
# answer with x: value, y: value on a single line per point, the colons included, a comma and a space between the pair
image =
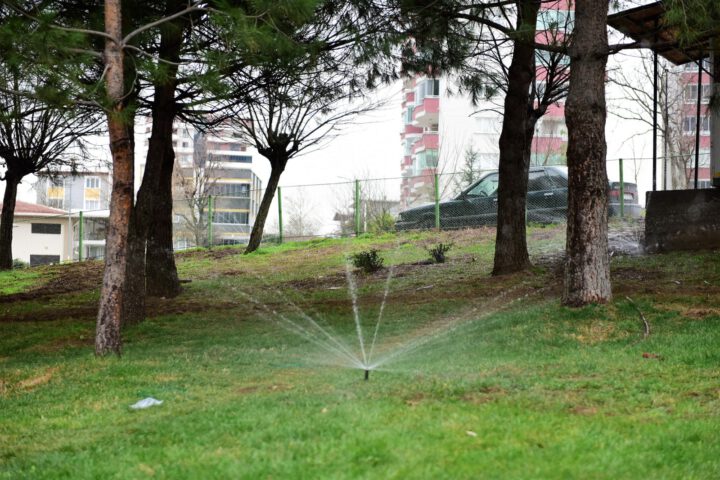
x: 646, y: 24
x: 33, y: 209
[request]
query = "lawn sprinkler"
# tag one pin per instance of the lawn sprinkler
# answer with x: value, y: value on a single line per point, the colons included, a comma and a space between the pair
x: 367, y: 375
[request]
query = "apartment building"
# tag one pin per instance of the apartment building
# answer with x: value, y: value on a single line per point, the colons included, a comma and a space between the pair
x: 689, y: 80
x: 215, y: 177
x: 85, y: 195
x: 440, y: 129
x: 549, y: 145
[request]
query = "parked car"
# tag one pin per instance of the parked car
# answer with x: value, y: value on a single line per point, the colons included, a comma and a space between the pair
x: 546, y: 202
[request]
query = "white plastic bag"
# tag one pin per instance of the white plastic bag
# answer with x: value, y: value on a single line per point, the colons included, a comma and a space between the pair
x: 146, y: 403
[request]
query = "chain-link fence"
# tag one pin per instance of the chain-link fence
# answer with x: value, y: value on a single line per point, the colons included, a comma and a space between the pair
x: 431, y: 200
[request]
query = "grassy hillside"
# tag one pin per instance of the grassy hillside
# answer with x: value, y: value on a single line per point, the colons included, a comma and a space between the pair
x: 486, y: 378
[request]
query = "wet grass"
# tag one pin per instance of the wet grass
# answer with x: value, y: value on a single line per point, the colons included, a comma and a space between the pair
x: 14, y: 281
x: 504, y: 382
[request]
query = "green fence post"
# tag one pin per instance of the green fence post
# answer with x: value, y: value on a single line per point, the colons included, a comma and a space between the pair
x: 357, y: 207
x: 80, y: 237
x: 622, y: 191
x: 437, y: 202
x: 280, y: 221
x: 210, y: 221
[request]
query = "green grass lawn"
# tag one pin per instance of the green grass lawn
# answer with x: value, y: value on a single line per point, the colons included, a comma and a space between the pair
x: 496, y: 379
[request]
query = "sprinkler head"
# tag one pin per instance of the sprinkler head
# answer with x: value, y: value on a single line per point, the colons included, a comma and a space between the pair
x: 367, y: 375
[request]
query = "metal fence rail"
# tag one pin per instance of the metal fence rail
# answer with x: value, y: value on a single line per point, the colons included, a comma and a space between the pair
x: 429, y: 199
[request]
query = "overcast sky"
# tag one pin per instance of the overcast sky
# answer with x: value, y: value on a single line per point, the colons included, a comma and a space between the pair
x: 370, y: 146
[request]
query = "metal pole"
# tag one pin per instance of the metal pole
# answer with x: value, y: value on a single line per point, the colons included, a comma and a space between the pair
x: 715, y: 117
x: 357, y: 207
x: 280, y: 221
x: 622, y: 191
x: 666, y: 117
x: 697, y: 119
x: 210, y: 220
x: 80, y: 237
x: 655, y: 114
x: 437, y: 202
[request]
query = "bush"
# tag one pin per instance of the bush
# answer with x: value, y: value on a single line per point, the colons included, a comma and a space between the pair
x: 382, y: 223
x: 369, y: 260
x: 437, y: 253
x: 19, y: 264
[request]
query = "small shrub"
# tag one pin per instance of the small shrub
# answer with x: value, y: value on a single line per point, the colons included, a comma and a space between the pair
x: 437, y: 253
x: 368, y: 260
x: 19, y: 264
x: 382, y: 223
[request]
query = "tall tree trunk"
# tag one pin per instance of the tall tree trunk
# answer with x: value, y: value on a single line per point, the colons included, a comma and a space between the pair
x: 511, y: 253
x: 134, y: 301
x: 163, y: 115
x: 162, y: 277
x: 109, y: 320
x: 587, y: 268
x: 276, y: 169
x: 6, y: 221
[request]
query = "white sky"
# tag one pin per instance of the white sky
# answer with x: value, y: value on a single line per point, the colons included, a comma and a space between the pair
x: 370, y: 147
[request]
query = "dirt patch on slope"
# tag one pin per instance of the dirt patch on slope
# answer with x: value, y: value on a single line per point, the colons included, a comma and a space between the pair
x: 68, y: 278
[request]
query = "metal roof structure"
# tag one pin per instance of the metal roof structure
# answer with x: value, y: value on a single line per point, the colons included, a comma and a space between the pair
x: 646, y: 24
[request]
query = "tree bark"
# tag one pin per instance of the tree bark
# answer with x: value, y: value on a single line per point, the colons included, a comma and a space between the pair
x: 162, y: 277
x: 163, y: 115
x: 511, y: 253
x: 276, y: 170
x: 587, y: 268
x: 134, y: 302
x: 109, y: 320
x: 6, y: 221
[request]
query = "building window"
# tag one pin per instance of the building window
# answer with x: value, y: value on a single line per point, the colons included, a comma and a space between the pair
x: 92, y: 193
x: 237, y: 158
x: 231, y: 190
x: 409, y: 114
x: 689, y: 125
x: 56, y: 193
x: 693, y: 66
x: 46, y: 228
x: 545, y: 59
x: 43, y: 259
x: 92, y: 182
x: 55, y: 202
x: 429, y: 87
x: 237, y: 218
x: 424, y: 160
x: 408, y: 144
x: 237, y: 147
x: 691, y: 92
x: 556, y: 20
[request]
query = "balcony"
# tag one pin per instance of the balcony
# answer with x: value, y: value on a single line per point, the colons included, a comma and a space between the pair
x: 556, y: 110
x: 428, y: 141
x: 410, y: 130
x: 542, y: 144
x: 427, y: 113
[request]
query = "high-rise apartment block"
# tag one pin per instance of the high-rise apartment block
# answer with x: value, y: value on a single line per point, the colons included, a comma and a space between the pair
x: 216, y: 192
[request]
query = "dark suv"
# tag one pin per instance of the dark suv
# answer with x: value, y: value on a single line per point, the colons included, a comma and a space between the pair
x: 546, y: 202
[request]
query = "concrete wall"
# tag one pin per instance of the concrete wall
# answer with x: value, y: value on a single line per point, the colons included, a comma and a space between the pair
x: 25, y: 243
x: 682, y: 220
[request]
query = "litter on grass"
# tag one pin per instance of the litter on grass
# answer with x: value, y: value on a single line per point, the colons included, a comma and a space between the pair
x: 146, y: 403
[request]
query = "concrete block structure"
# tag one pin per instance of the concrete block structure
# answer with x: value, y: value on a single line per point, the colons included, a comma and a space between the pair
x: 41, y: 234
